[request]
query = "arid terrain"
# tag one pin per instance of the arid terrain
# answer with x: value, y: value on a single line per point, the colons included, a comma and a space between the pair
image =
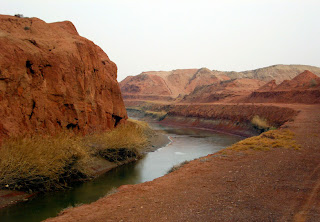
x: 190, y: 85
x: 275, y: 185
x: 55, y: 88
x: 63, y: 110
x: 250, y: 183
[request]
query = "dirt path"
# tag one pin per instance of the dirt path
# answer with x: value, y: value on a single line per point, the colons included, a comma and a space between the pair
x: 277, y: 185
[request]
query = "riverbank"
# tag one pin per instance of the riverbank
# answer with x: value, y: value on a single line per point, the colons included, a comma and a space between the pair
x: 239, y: 119
x: 97, y: 165
x: 273, y: 185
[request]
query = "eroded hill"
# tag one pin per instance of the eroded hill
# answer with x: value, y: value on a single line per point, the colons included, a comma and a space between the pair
x: 52, y: 78
x: 170, y: 85
x: 304, y: 88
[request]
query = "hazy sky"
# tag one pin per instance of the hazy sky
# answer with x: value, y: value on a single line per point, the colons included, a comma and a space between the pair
x: 145, y: 35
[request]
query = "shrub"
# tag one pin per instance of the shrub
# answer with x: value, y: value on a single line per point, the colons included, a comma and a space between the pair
x: 313, y: 83
x: 260, y: 123
x: 132, y: 135
x: 19, y: 15
x: 41, y: 162
x: 156, y: 115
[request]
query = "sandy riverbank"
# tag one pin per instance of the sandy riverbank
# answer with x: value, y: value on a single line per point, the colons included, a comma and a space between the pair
x: 275, y: 185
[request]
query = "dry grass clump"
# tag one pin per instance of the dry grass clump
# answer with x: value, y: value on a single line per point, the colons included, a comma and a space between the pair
x: 43, y: 163
x: 156, y: 115
x: 126, y: 141
x: 267, y: 141
x: 178, y: 166
x: 130, y: 135
x: 260, y: 123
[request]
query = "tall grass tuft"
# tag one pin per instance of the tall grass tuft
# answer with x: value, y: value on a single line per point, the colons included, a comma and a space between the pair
x: 260, y: 123
x: 126, y: 141
x: 42, y: 162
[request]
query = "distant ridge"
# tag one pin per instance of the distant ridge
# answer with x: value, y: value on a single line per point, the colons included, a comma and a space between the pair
x: 275, y: 72
x: 166, y: 84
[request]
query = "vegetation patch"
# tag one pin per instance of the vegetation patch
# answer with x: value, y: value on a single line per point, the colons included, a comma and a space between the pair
x: 124, y: 142
x: 178, y: 166
x: 156, y: 115
x: 266, y: 141
x: 261, y: 123
x: 42, y: 162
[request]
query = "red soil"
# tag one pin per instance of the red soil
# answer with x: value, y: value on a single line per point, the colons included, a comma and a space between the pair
x: 268, y: 86
x: 304, y: 80
x: 236, y: 113
x: 223, y: 91
x: 52, y: 78
x: 276, y: 185
x: 171, y: 83
x: 304, y: 88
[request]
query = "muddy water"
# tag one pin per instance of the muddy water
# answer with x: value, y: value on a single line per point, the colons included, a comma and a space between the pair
x: 187, y: 144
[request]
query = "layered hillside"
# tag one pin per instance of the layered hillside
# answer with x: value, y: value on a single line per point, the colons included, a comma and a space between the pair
x: 51, y: 78
x: 304, y: 88
x: 278, y: 73
x: 169, y: 85
x: 224, y: 90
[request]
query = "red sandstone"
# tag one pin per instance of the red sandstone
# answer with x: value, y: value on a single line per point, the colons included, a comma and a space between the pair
x: 52, y: 78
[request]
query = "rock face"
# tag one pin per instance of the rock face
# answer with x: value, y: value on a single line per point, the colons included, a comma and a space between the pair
x: 51, y: 78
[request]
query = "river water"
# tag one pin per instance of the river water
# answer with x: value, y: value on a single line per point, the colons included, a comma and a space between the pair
x: 187, y: 144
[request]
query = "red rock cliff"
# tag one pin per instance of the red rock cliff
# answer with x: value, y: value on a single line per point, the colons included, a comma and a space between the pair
x: 52, y: 78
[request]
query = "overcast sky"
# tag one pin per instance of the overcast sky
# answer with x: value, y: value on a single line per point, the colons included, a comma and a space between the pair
x: 147, y: 35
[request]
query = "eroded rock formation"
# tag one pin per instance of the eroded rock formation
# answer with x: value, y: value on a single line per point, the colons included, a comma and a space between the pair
x: 51, y: 78
x: 166, y: 85
x: 304, y: 88
x: 223, y: 91
x: 170, y: 85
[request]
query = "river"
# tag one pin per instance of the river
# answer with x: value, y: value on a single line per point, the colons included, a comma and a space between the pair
x: 187, y: 144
